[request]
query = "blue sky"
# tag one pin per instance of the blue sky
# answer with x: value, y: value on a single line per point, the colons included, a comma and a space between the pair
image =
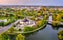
x: 32, y: 2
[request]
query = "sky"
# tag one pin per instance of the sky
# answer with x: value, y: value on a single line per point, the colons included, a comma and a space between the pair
x: 32, y: 2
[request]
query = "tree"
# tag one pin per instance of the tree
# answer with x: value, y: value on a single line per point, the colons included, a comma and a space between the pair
x: 4, y: 37
x: 60, y: 35
x: 20, y: 37
x: 27, y: 28
x: 58, y: 18
x: 11, y: 30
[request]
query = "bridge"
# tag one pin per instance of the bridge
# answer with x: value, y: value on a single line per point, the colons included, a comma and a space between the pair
x: 50, y: 21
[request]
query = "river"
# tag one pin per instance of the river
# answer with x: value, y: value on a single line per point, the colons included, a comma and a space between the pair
x: 48, y: 33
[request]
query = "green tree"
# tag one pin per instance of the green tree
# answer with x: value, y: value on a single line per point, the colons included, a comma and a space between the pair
x: 4, y: 37
x: 60, y: 35
x: 26, y: 29
x: 20, y: 37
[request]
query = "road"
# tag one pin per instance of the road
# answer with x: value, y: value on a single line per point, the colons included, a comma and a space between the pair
x: 4, y: 29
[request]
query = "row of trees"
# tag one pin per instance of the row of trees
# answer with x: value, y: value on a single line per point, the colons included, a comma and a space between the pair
x: 7, y: 37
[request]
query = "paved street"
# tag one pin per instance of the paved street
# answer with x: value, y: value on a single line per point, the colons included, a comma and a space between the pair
x: 4, y: 29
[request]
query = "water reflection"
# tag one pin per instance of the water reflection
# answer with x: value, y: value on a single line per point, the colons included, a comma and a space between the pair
x: 58, y: 27
x: 55, y: 28
x: 48, y: 33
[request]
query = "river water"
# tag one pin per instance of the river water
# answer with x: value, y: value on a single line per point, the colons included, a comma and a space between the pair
x: 48, y: 33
